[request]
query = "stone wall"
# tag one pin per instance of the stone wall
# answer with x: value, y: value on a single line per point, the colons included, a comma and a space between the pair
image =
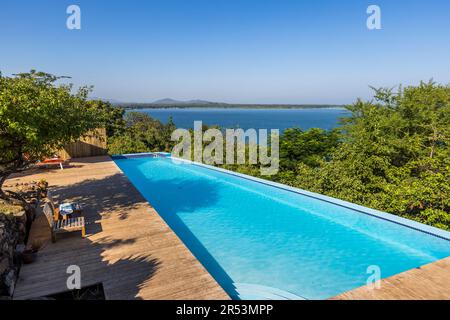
x: 13, y: 226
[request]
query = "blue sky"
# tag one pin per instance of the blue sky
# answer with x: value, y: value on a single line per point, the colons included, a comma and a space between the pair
x: 246, y: 51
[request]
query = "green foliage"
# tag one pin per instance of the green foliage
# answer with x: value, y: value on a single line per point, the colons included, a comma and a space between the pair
x: 308, y: 147
x: 394, y: 156
x: 125, y: 143
x: 37, y: 117
x: 141, y: 133
x: 114, y: 118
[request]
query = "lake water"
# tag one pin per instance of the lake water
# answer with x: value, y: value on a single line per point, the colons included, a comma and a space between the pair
x: 325, y: 118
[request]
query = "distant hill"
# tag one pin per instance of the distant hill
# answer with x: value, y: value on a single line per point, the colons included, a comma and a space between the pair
x: 170, y: 101
x: 167, y: 101
x: 197, y: 103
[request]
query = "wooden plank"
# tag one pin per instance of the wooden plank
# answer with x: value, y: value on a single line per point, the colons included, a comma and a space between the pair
x: 429, y: 282
x: 130, y: 249
x: 93, y: 144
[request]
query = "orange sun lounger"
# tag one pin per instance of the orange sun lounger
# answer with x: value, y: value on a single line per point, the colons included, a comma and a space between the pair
x: 50, y: 161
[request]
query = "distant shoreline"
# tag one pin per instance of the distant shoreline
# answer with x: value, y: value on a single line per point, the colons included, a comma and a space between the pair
x: 249, y: 118
x: 137, y: 106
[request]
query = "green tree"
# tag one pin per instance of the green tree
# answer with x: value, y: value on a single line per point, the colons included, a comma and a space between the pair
x: 125, y: 143
x: 309, y: 147
x: 114, y: 118
x: 37, y: 117
x: 142, y: 133
x: 395, y: 155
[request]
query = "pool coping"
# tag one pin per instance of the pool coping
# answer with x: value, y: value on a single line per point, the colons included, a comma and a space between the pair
x: 433, y: 231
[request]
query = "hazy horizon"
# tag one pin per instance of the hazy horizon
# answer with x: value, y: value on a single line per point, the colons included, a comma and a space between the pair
x: 241, y: 52
x: 202, y: 101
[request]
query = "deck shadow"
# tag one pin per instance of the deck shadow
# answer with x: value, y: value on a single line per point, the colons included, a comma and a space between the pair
x: 98, y: 262
x: 100, y: 198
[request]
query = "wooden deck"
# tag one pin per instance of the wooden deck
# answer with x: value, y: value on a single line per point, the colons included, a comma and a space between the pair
x: 128, y: 248
x: 429, y: 282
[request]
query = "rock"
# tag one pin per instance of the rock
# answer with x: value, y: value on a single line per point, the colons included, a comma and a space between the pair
x: 15, y: 219
x: 21, y: 216
x: 10, y: 234
x: 20, y: 248
x: 10, y: 281
x: 4, y: 265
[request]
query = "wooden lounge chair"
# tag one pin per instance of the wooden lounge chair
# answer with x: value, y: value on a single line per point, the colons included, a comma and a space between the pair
x: 77, y: 208
x: 63, y: 226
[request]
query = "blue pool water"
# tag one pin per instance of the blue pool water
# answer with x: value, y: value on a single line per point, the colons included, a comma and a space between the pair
x: 260, y: 241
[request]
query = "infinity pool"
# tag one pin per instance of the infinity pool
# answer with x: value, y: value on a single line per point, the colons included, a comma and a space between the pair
x: 262, y: 241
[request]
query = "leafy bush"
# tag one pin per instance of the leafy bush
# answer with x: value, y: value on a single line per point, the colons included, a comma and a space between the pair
x: 38, y: 117
x: 141, y: 133
x: 394, y: 155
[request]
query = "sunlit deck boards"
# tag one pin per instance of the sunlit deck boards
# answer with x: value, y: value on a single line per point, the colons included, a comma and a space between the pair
x: 129, y: 248
x: 429, y: 282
